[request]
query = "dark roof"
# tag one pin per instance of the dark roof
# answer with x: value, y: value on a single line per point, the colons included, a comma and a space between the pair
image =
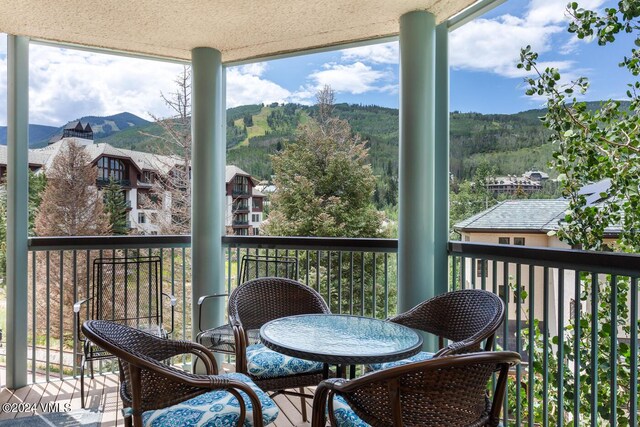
x: 74, y: 125
x: 529, y: 215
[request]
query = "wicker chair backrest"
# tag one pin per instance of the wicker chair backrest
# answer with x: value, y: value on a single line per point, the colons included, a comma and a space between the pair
x: 259, y: 301
x: 132, y: 346
x: 449, y: 391
x: 457, y: 315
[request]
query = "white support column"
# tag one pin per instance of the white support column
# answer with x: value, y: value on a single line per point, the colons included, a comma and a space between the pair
x: 207, y: 181
x: 17, y: 209
x: 417, y: 161
x: 441, y: 164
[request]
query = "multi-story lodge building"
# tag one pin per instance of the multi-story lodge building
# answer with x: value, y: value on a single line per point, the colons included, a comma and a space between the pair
x: 136, y: 171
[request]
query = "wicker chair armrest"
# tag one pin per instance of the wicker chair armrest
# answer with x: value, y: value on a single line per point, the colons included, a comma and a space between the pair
x: 164, y: 349
x: 471, y: 344
x: 240, y: 338
x: 201, y: 301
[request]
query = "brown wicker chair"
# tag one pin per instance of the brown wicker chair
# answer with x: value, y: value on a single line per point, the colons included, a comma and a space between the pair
x: 465, y: 318
x: 220, y: 339
x: 259, y: 301
x: 148, y: 383
x: 447, y: 391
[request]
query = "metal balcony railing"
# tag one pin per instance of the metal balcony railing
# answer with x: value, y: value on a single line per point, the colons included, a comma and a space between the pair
x: 559, y: 304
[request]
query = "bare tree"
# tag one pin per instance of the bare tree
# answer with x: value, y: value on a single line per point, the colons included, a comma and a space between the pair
x: 326, y: 99
x: 170, y: 195
x: 171, y: 191
x: 71, y: 206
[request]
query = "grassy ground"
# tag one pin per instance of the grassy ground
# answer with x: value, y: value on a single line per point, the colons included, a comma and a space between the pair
x: 259, y: 127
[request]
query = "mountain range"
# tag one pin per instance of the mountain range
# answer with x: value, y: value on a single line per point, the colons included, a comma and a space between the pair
x: 511, y: 143
x: 40, y: 135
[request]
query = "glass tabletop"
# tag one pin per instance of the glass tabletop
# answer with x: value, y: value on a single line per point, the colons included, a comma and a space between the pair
x: 340, y: 339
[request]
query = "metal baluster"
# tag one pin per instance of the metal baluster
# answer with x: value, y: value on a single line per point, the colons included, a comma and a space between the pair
x: 505, y: 337
x: 614, y: 351
x: 340, y: 282
x: 373, y: 279
x: 33, y: 317
x: 545, y: 344
x: 633, y: 407
x: 594, y: 349
x: 386, y: 285
x: 560, y: 347
x: 61, y: 313
x: 48, y: 312
x: 576, y: 351
x: 518, y: 343
x: 531, y: 396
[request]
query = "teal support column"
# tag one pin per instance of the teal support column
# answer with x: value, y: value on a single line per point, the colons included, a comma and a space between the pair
x: 441, y: 171
x: 417, y: 161
x: 207, y: 184
x: 17, y: 208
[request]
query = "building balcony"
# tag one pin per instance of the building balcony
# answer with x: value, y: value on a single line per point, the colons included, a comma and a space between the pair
x: 539, y: 288
x: 102, y: 182
x: 240, y: 209
x: 240, y: 193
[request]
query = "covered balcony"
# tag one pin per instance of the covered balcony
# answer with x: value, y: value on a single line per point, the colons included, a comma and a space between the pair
x: 541, y: 288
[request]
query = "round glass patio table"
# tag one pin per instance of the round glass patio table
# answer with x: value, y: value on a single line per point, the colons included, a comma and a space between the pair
x: 340, y: 339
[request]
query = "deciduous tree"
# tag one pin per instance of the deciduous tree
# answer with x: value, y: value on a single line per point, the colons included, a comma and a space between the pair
x: 591, y: 146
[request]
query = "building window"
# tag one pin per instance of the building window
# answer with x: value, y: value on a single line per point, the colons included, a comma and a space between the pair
x: 256, y: 203
x: 467, y: 238
x: 255, y: 217
x: 111, y: 169
x: 256, y: 231
x: 504, y: 240
x: 148, y: 177
x: 141, y: 218
x: 241, y: 185
x: 482, y: 267
x: 518, y: 241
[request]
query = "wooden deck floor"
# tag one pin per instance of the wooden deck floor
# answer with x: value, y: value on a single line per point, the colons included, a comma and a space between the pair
x: 104, y: 397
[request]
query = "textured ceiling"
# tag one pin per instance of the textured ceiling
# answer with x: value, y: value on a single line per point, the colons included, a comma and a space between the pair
x: 240, y: 29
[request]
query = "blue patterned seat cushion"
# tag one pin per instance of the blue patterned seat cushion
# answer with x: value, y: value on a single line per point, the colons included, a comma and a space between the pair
x: 423, y: 355
x: 214, y: 408
x: 345, y: 417
x: 263, y: 362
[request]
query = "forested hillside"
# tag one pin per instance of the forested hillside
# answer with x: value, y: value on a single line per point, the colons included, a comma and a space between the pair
x: 512, y: 143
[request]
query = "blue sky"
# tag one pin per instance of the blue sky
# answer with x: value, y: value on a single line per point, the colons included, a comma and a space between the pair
x: 67, y: 84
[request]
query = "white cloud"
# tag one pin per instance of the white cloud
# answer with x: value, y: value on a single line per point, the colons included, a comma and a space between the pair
x: 384, y: 53
x: 493, y: 45
x: 245, y: 86
x: 356, y: 78
x: 255, y: 69
x: 66, y: 84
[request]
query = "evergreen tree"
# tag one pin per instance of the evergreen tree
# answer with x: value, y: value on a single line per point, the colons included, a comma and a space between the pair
x: 324, y: 183
x: 116, y: 207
